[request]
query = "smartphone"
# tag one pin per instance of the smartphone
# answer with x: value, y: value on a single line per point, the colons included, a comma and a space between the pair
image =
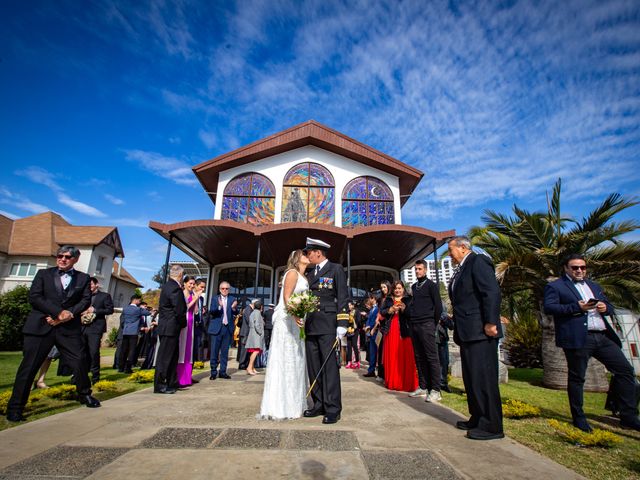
x: 592, y: 301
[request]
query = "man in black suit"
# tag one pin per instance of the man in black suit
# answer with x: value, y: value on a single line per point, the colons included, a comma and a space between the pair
x: 268, y: 324
x: 328, y: 282
x: 58, y: 296
x: 580, y: 309
x: 172, y: 318
x: 475, y: 297
x: 94, y: 325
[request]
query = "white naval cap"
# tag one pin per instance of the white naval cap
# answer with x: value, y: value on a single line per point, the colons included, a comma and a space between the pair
x: 315, y: 244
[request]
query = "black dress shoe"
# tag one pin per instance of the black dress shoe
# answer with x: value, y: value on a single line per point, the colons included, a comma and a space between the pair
x: 328, y: 419
x: 465, y: 425
x: 369, y: 375
x: 89, y: 401
x: 633, y: 424
x: 225, y: 376
x: 15, y: 417
x: 194, y: 381
x: 213, y: 377
x: 312, y: 413
x: 477, y: 434
x: 583, y: 425
x: 166, y: 390
x: 445, y: 388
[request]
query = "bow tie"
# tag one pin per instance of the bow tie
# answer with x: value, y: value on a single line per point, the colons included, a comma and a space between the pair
x: 578, y: 282
x: 65, y: 272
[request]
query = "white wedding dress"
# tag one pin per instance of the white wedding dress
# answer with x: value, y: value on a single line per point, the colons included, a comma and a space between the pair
x: 286, y: 382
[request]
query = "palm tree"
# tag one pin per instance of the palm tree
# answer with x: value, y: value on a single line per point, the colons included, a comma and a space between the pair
x: 527, y: 249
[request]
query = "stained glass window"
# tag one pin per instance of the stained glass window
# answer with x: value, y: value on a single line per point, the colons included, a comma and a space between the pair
x: 249, y: 198
x: 367, y: 201
x: 308, y: 195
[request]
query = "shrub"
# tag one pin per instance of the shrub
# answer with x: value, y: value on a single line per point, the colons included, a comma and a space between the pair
x: 112, y: 337
x: 4, y: 400
x: 14, y: 308
x: 518, y: 409
x: 60, y: 392
x: 198, y: 365
x: 597, y: 438
x: 523, y: 342
x: 105, y: 386
x: 142, y: 376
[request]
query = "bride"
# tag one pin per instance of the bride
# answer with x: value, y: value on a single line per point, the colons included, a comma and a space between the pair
x: 286, y: 383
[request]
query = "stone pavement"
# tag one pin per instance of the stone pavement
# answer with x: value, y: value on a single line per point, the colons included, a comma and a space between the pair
x: 210, y: 431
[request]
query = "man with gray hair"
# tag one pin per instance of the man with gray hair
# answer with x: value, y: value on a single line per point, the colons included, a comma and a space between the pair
x: 172, y: 318
x: 475, y: 298
x: 58, y: 296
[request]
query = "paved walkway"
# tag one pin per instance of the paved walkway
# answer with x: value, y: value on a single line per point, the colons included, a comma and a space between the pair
x: 210, y: 431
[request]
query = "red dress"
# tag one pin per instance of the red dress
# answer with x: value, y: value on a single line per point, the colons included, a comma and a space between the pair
x: 400, y: 371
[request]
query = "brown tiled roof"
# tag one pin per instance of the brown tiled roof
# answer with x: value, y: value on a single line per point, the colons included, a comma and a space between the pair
x: 35, y: 235
x: 308, y: 133
x: 81, y: 235
x: 6, y: 225
x: 42, y: 234
x: 121, y: 274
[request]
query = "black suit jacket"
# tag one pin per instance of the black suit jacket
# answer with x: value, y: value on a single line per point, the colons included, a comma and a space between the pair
x: 47, y: 298
x: 330, y: 286
x: 172, y: 310
x: 475, y: 297
x: 103, y: 306
x: 561, y: 300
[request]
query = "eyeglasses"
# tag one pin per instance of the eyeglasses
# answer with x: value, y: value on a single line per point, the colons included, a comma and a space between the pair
x: 224, y: 288
x: 66, y: 257
x: 575, y: 268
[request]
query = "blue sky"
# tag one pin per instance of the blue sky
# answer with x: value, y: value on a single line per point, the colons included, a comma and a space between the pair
x: 106, y: 105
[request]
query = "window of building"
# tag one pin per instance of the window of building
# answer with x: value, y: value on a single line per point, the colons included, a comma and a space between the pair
x: 249, y: 198
x: 308, y: 195
x: 242, y: 281
x: 23, y: 270
x: 364, y: 282
x: 367, y: 201
x: 100, y: 265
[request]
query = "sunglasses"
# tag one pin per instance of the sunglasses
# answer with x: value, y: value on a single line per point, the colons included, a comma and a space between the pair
x: 575, y: 268
x: 224, y: 288
x: 66, y: 257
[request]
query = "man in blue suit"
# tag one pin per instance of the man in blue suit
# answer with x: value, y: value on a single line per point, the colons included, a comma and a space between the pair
x: 579, y: 308
x: 220, y: 330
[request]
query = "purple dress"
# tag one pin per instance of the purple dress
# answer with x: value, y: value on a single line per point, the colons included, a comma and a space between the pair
x: 185, y: 360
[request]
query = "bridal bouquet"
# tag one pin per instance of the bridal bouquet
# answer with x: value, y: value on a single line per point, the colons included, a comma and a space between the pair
x: 301, y: 304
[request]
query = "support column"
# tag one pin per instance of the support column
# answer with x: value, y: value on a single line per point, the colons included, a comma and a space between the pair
x: 255, y: 286
x: 435, y: 261
x: 349, y: 266
x: 166, y: 262
x: 210, y: 289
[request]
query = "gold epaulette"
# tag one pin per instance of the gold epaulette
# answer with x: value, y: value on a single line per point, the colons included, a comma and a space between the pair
x: 343, y: 317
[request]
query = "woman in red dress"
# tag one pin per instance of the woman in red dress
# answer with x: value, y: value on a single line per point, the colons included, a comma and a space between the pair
x: 400, y: 371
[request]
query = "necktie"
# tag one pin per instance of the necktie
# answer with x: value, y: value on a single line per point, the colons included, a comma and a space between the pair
x: 224, y: 310
x: 317, y: 270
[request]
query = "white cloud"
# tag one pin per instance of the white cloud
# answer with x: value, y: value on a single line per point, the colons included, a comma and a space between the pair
x: 79, y: 206
x: 21, y: 202
x: 114, y: 200
x: 208, y: 138
x: 171, y: 168
x: 48, y: 179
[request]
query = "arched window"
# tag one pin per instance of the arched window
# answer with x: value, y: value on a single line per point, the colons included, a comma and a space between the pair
x: 308, y: 195
x: 367, y: 201
x: 249, y: 198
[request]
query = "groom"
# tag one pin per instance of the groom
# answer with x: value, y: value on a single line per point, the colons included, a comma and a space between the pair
x: 328, y: 282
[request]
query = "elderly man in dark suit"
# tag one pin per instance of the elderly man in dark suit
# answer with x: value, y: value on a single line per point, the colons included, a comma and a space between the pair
x: 580, y: 309
x: 221, y: 314
x: 58, y: 296
x: 94, y: 325
x: 475, y: 297
x: 172, y: 318
x: 328, y: 282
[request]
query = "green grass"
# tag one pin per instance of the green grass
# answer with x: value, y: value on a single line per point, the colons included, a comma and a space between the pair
x: 620, y: 462
x: 44, y: 407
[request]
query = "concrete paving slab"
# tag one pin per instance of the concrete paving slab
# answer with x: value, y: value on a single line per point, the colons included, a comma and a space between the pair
x: 182, y: 438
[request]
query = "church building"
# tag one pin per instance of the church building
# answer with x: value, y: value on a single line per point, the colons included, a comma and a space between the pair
x: 307, y: 181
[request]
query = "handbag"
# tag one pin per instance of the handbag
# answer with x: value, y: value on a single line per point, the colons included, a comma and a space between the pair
x: 378, y: 338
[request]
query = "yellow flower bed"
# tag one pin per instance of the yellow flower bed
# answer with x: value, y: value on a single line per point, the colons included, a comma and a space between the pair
x: 518, y: 409
x: 4, y: 400
x: 198, y: 365
x: 597, y: 438
x: 142, y: 376
x: 60, y: 392
x: 105, y: 386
